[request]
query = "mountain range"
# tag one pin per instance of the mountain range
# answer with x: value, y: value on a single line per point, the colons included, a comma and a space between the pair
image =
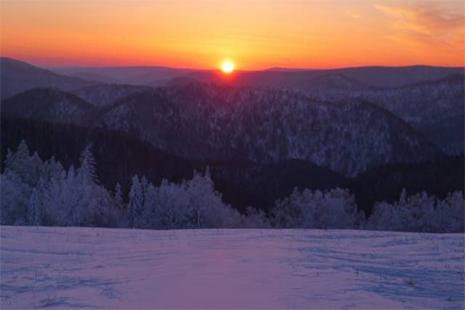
x: 348, y: 121
x: 18, y: 76
x: 374, y: 130
x: 298, y: 79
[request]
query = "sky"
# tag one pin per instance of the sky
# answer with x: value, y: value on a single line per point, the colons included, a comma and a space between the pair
x: 255, y: 34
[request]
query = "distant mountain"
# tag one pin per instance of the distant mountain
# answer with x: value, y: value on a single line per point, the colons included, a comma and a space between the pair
x: 298, y: 79
x: 220, y: 122
x: 141, y: 75
x: 48, y: 104
x: 103, y: 95
x: 21, y: 76
x: 210, y: 122
x: 332, y: 79
x: 17, y: 76
x: 342, y: 124
x: 434, y: 108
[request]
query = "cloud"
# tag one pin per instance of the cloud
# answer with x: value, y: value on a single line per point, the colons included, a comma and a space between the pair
x: 425, y: 23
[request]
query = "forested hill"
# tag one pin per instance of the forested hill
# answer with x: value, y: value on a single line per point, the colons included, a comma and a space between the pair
x: 119, y: 157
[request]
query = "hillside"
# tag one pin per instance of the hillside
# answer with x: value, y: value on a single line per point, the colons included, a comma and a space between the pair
x: 137, y: 75
x: 119, y: 156
x: 251, y: 135
x: 17, y: 76
x: 104, y: 95
x: 435, y: 108
x: 48, y: 104
x: 219, y: 122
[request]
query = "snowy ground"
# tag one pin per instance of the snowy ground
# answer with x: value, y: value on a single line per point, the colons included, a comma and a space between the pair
x: 83, y: 267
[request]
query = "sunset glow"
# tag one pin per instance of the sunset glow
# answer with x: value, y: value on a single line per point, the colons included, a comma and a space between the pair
x: 227, y: 66
x: 256, y: 34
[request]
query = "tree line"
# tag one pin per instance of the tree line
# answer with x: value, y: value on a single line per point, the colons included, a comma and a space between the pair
x: 42, y: 192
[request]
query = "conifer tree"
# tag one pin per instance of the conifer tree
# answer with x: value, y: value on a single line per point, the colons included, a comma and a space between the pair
x: 136, y: 202
x: 34, y: 209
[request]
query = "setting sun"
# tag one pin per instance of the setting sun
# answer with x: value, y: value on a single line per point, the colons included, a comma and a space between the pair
x: 227, y: 66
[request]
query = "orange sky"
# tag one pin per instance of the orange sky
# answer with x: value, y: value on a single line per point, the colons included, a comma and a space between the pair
x: 255, y: 34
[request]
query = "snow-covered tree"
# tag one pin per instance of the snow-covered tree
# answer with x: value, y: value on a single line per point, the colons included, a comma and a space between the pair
x: 27, y: 167
x: 87, y: 169
x: 189, y: 204
x: 255, y: 219
x: 34, y: 209
x: 14, y: 198
x: 20, y: 176
x: 315, y: 209
x: 37, y: 192
x: 118, y: 196
x: 75, y: 199
x: 171, y: 208
x: 52, y: 169
x: 208, y: 210
x: 136, y: 202
x: 149, y: 213
x: 420, y: 213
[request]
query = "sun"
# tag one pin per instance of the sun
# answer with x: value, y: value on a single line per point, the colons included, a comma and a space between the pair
x: 227, y: 66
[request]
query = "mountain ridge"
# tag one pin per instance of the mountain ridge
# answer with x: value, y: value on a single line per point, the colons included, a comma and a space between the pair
x: 17, y: 76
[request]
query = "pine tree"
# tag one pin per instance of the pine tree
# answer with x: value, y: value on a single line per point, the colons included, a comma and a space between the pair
x: 87, y: 169
x: 27, y: 167
x: 149, y: 216
x: 13, y: 199
x: 72, y: 197
x: 34, y: 209
x: 136, y: 202
x: 20, y: 176
x: 16, y: 161
x: 118, y: 196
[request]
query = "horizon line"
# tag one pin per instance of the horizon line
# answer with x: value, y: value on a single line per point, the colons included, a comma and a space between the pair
x: 277, y: 68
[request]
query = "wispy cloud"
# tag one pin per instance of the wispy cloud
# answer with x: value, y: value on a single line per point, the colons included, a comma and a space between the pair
x: 426, y: 23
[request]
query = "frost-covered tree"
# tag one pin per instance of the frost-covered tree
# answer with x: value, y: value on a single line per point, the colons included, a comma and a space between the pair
x: 315, y: 209
x: 52, y: 169
x: 171, y: 208
x: 20, y: 162
x: 21, y: 174
x: 255, y: 219
x: 149, y: 213
x: 207, y: 207
x: 14, y: 198
x: 189, y: 204
x: 34, y: 209
x: 420, y: 213
x: 75, y: 199
x: 17, y: 161
x: 452, y: 216
x: 64, y: 200
x: 87, y: 169
x: 118, y: 196
x: 37, y: 192
x: 136, y: 202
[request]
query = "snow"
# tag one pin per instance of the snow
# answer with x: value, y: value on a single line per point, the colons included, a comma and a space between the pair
x: 120, y: 268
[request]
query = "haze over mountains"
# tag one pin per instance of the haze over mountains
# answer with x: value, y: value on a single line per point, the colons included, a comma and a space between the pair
x: 18, y: 76
x: 347, y: 121
x: 302, y: 79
